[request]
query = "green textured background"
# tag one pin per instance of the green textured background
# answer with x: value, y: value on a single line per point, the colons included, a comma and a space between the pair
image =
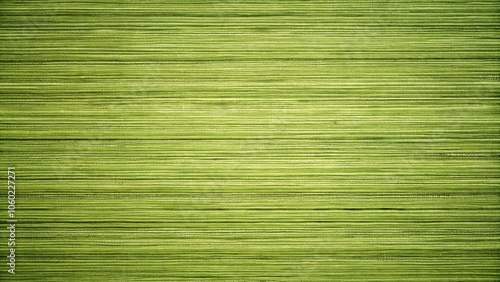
x: 252, y: 140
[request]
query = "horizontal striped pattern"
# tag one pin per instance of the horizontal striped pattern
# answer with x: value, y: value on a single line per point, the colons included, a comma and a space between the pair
x: 251, y: 140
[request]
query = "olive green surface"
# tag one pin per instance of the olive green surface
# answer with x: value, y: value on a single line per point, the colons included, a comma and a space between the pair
x: 251, y: 140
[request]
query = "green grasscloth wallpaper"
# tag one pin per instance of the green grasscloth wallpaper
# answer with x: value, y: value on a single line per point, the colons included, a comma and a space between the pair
x: 251, y: 140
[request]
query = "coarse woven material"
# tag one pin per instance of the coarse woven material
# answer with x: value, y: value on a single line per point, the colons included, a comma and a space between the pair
x: 250, y: 140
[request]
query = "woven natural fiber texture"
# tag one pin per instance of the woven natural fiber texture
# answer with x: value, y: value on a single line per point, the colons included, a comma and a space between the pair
x: 250, y: 140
